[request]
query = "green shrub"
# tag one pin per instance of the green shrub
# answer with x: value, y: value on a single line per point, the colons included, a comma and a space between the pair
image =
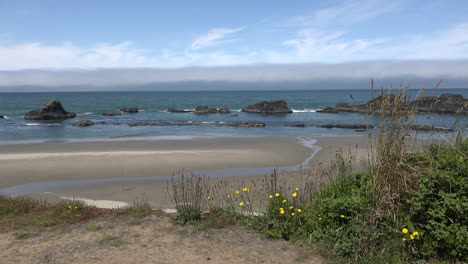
x: 439, y: 204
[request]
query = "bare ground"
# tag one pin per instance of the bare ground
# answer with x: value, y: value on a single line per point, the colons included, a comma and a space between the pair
x: 154, y: 239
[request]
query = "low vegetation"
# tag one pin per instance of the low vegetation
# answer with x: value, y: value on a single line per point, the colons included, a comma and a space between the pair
x: 406, y: 204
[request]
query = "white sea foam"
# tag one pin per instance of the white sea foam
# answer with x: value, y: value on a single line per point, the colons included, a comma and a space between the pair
x: 305, y: 110
x: 86, y: 113
x: 141, y: 110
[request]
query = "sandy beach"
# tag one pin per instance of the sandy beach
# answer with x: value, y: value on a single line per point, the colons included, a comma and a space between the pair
x: 118, y: 163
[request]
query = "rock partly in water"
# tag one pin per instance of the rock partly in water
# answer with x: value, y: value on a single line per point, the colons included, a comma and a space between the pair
x: 245, y: 124
x: 111, y: 114
x: 430, y: 128
x: 1, y: 117
x: 234, y: 114
x: 204, y: 109
x: 129, y: 110
x: 224, y: 110
x: 52, y: 110
x: 355, y: 126
x: 275, y: 107
x: 296, y: 125
x: 445, y: 104
x: 175, y: 110
x: 160, y: 124
x: 83, y: 123
x: 368, y: 107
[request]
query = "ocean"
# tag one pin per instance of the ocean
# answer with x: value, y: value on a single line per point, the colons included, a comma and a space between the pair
x: 153, y: 105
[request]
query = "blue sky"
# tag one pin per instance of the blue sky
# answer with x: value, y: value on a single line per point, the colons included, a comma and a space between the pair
x: 125, y: 34
x: 105, y: 43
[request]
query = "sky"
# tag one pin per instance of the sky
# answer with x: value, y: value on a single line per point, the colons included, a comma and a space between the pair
x: 108, y: 42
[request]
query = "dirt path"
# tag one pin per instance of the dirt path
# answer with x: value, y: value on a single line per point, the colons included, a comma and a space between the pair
x: 154, y: 239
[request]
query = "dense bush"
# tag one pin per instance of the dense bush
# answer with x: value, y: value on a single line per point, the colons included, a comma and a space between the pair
x: 439, y: 204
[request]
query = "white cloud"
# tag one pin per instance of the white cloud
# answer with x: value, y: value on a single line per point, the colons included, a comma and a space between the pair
x: 213, y: 38
x: 37, y: 55
x: 349, y: 12
x: 308, y: 45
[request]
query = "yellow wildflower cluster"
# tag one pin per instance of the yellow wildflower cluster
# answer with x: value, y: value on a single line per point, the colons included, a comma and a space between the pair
x: 412, y: 235
x: 245, y: 189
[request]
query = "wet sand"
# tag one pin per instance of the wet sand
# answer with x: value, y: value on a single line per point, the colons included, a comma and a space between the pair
x: 22, y: 164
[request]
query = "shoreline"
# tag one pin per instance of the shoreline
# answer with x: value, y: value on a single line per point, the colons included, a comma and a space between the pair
x: 144, y: 169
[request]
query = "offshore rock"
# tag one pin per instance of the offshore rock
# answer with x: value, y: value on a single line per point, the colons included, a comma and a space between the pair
x: 129, y: 110
x: 224, y: 110
x: 356, y: 126
x: 111, y: 114
x: 83, y: 123
x: 204, y: 109
x: 275, y: 107
x: 245, y: 124
x: 52, y: 110
x: 445, y: 104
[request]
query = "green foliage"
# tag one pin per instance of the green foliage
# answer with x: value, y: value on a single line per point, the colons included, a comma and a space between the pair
x: 139, y: 209
x: 18, y: 213
x: 188, y: 215
x: 439, y: 204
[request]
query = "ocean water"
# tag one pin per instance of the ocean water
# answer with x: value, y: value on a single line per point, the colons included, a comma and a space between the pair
x: 90, y: 105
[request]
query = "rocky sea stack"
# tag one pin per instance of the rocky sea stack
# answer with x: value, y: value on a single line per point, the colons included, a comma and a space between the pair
x: 204, y: 109
x: 83, y: 123
x: 52, y: 110
x: 445, y: 104
x: 275, y: 107
x: 129, y: 110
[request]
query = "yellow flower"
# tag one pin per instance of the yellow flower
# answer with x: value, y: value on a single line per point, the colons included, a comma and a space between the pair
x: 228, y: 196
x: 404, y: 239
x: 297, y: 189
x: 241, y: 204
x: 261, y: 188
x: 237, y: 191
x: 292, y: 214
x: 299, y: 210
x: 342, y: 216
x: 291, y: 207
x: 415, y: 233
x: 76, y: 207
x: 411, y: 237
x: 271, y: 196
x: 320, y: 218
x: 281, y: 209
x: 69, y: 206
x: 245, y: 189
x: 404, y: 230
x: 281, y: 212
x: 294, y: 194
x: 284, y: 201
x: 277, y: 194
x: 209, y: 197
